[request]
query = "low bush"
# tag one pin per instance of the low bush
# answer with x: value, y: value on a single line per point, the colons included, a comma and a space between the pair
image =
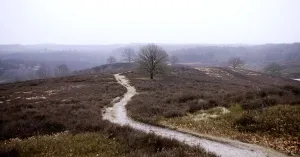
x: 292, y: 89
x: 276, y: 120
x: 150, y: 144
x: 197, y: 105
x: 173, y: 113
x: 259, y: 103
x: 253, y: 104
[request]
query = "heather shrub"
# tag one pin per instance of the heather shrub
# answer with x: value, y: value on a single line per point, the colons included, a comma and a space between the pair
x: 276, y: 120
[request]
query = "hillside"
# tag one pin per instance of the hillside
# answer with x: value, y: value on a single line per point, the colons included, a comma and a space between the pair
x: 63, y: 117
x: 226, y: 103
x: 109, y: 68
x: 292, y: 69
x: 231, y: 103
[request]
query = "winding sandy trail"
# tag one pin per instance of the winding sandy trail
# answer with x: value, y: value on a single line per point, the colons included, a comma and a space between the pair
x: 229, y: 148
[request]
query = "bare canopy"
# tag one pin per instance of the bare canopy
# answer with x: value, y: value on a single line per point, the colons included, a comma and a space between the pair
x: 152, y: 59
x: 235, y: 62
x: 111, y: 60
x: 128, y: 55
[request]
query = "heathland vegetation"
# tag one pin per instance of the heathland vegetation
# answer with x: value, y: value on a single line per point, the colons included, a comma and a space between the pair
x: 259, y: 108
x: 63, y: 117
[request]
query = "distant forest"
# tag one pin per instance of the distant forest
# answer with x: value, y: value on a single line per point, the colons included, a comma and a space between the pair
x: 25, y: 62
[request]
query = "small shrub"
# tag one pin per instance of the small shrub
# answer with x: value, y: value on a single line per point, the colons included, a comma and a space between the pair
x: 292, y: 89
x: 34, y: 83
x: 247, y: 122
x: 173, y: 113
x: 253, y: 104
x: 250, y: 95
x: 186, y: 97
x: 270, y: 101
x: 270, y: 91
x: 50, y: 127
x: 212, y: 103
x: 196, y: 106
x: 10, y: 153
x: 276, y: 120
x: 259, y: 103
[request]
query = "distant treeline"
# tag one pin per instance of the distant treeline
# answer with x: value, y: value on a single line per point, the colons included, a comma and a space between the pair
x: 19, y: 62
x: 256, y: 54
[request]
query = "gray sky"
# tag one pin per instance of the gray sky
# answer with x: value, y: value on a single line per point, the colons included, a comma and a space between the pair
x: 142, y: 21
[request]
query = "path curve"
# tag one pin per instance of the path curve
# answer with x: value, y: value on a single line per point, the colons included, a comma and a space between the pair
x: 118, y: 114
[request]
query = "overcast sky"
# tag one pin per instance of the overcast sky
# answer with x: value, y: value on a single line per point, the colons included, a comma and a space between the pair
x: 155, y: 21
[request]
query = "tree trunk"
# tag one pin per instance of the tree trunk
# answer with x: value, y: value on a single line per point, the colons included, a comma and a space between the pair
x: 151, y: 75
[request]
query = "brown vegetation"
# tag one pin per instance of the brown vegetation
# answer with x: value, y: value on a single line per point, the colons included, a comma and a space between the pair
x: 62, y: 117
x: 276, y: 120
x: 54, y: 105
x: 108, y: 68
x: 269, y: 129
x: 187, y: 91
x: 113, y: 141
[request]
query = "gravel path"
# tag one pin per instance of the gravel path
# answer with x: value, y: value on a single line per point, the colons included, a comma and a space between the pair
x: 118, y: 114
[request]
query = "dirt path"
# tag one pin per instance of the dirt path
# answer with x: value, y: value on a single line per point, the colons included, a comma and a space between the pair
x: 225, y: 148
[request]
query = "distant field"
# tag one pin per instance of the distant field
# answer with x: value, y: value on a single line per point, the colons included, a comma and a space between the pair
x: 63, y: 117
x: 173, y: 100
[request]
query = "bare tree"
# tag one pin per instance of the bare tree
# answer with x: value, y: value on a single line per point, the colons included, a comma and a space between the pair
x: 174, y: 60
x: 111, y: 60
x: 152, y: 59
x: 129, y: 55
x: 235, y: 62
x: 273, y: 69
x: 61, y: 70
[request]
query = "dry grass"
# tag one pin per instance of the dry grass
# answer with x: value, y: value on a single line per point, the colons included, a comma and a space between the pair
x: 276, y: 120
x: 64, y: 144
x: 113, y: 142
x: 228, y: 125
x: 62, y: 117
x: 172, y: 99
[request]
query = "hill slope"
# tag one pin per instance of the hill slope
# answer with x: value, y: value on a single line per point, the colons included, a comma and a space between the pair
x: 181, y: 99
x: 109, y: 68
x: 63, y: 117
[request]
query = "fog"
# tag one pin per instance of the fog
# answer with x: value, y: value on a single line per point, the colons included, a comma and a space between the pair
x: 49, y: 38
x: 154, y: 21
